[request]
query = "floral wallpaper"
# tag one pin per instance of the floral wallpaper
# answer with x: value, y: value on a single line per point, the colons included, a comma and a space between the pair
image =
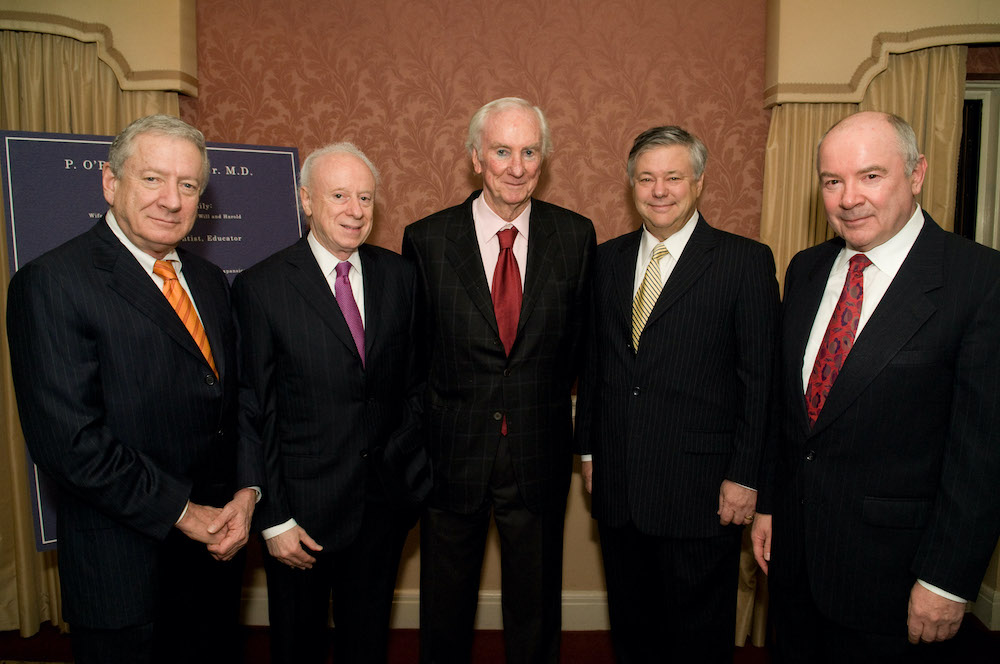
x: 401, y: 79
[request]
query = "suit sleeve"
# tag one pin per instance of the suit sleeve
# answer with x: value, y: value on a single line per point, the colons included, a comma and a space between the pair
x: 57, y: 372
x: 756, y: 322
x: 965, y: 522
x: 258, y: 402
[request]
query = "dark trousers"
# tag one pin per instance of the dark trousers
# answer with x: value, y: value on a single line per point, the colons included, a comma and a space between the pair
x: 803, y: 634
x: 361, y: 578
x: 196, y: 619
x: 451, y: 559
x: 671, y: 599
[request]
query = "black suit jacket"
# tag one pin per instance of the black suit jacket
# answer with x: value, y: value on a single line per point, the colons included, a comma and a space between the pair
x: 330, y: 432
x: 897, y: 479
x: 472, y: 384
x: 119, y: 407
x: 668, y: 424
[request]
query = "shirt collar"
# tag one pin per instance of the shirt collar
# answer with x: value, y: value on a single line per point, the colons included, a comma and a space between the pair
x: 675, y: 243
x: 489, y: 223
x: 145, y: 260
x: 327, y: 261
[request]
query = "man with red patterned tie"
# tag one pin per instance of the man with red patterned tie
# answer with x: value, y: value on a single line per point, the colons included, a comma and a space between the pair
x: 124, y: 361
x: 501, y: 281
x: 877, y: 514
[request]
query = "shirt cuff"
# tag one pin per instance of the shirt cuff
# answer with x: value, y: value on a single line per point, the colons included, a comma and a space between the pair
x: 181, y: 517
x: 586, y: 457
x: 942, y: 593
x: 274, y: 531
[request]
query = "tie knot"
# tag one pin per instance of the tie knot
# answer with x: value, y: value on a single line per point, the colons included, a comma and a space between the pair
x: 164, y: 270
x: 859, y: 262
x: 506, y: 237
x: 343, y: 269
x: 659, y: 251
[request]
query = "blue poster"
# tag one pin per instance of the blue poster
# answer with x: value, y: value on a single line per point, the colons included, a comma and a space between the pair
x: 52, y: 192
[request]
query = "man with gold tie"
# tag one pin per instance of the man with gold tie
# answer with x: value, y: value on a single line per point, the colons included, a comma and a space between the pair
x: 672, y: 410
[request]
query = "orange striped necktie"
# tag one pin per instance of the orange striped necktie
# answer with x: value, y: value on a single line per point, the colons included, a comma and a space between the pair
x: 179, y: 300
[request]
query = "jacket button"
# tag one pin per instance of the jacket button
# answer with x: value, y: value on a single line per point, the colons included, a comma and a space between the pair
x: 636, y: 391
x: 811, y: 455
x: 506, y: 372
x: 364, y: 453
x: 498, y: 416
x: 209, y: 379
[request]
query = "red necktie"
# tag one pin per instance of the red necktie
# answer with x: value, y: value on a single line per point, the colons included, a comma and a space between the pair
x: 839, y: 338
x: 179, y: 300
x: 507, y: 295
x: 507, y: 289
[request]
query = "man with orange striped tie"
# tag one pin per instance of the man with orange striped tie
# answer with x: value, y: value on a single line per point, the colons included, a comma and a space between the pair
x: 122, y: 350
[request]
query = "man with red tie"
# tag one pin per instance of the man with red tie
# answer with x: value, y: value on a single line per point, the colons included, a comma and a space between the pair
x: 501, y: 282
x: 877, y: 514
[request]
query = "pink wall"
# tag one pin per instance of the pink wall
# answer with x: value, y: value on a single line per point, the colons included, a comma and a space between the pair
x: 402, y: 77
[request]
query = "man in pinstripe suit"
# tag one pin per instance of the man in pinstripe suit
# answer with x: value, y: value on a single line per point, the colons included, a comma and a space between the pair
x: 883, y: 497
x: 498, y: 396
x: 673, y: 408
x: 132, y: 419
x: 335, y: 410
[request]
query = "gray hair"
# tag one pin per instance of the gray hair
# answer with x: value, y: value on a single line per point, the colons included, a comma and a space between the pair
x: 906, y: 140
x: 164, y: 125
x: 664, y: 137
x: 344, y: 147
x: 475, y: 137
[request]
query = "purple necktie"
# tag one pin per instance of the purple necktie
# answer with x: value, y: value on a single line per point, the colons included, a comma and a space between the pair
x: 349, y: 307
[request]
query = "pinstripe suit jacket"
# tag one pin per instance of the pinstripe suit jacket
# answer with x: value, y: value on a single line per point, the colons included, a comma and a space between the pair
x: 472, y: 384
x: 329, y: 430
x: 667, y: 424
x: 119, y: 407
x: 897, y: 479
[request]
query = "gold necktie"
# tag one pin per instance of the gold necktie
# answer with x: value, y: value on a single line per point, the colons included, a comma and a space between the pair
x: 649, y: 291
x: 179, y: 300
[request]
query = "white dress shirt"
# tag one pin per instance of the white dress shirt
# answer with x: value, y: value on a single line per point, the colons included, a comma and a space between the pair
x: 488, y: 223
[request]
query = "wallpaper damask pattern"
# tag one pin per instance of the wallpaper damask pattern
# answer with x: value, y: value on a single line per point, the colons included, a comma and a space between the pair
x: 401, y: 79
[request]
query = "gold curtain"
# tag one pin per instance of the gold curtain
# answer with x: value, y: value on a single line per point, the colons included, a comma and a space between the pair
x: 54, y: 84
x: 924, y: 87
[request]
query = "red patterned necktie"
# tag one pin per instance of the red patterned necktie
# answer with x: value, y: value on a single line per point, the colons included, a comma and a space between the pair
x: 839, y: 338
x: 179, y: 300
x: 507, y: 295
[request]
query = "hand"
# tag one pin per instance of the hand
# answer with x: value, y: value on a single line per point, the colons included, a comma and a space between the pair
x: 736, y: 504
x: 233, y: 524
x: 196, y: 522
x: 287, y: 547
x: 931, y: 617
x: 587, y: 472
x: 760, y: 535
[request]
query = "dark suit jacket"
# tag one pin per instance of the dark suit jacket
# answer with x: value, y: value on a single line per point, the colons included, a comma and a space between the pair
x: 897, y: 479
x: 119, y: 407
x: 472, y: 384
x: 668, y: 424
x: 326, y: 426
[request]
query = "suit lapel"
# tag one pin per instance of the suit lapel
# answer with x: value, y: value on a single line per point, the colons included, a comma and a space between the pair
x: 695, y: 259
x: 536, y: 273
x: 623, y: 274
x: 375, y: 284
x: 464, y: 256
x: 903, y: 310
x: 310, y: 282
x: 130, y: 281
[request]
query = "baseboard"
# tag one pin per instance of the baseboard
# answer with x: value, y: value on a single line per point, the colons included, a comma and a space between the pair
x: 583, y: 610
x: 987, y: 607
